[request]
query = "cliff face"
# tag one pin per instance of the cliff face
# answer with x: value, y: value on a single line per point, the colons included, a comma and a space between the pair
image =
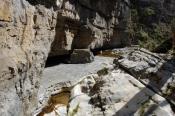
x: 84, y: 24
x: 29, y: 27
x: 26, y: 34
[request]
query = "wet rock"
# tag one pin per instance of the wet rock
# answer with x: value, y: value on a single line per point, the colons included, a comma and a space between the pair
x: 57, y: 105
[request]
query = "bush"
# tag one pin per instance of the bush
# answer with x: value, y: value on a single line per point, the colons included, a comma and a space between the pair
x: 147, y: 36
x: 148, y: 12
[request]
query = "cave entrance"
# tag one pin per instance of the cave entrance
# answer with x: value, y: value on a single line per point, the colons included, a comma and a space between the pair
x: 56, y: 60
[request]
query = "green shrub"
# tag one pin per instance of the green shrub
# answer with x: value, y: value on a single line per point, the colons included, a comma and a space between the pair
x: 148, y: 12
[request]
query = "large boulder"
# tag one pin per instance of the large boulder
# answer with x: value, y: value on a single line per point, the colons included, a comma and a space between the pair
x: 81, y: 56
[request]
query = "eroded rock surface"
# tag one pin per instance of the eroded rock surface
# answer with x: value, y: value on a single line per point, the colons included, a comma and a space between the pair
x: 91, y: 24
x: 152, y: 70
x: 29, y: 27
x: 32, y: 30
x: 67, y: 75
x: 123, y: 89
x: 108, y: 93
x: 25, y: 37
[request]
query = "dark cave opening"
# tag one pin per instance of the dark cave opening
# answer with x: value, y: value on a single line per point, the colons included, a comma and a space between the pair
x: 56, y: 60
x: 46, y: 3
x: 66, y: 59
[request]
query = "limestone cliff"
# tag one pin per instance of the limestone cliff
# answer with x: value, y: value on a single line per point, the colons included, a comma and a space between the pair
x: 30, y: 28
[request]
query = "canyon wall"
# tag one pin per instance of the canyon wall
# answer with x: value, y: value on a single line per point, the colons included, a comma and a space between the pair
x: 31, y: 29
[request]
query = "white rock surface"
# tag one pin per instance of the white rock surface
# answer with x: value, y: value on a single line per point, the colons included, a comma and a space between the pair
x: 152, y: 70
x: 115, y: 93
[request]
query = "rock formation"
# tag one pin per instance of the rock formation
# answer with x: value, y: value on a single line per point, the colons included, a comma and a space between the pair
x: 133, y: 85
x: 26, y: 34
x: 88, y: 24
x: 29, y: 27
x: 31, y: 31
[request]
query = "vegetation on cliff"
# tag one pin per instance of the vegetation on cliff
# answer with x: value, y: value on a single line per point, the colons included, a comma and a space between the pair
x: 150, y: 28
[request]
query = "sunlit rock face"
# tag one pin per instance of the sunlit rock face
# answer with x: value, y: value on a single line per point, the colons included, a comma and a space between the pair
x: 26, y: 33
x: 29, y: 28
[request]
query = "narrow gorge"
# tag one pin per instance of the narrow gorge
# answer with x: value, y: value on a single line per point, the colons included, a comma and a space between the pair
x: 87, y: 58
